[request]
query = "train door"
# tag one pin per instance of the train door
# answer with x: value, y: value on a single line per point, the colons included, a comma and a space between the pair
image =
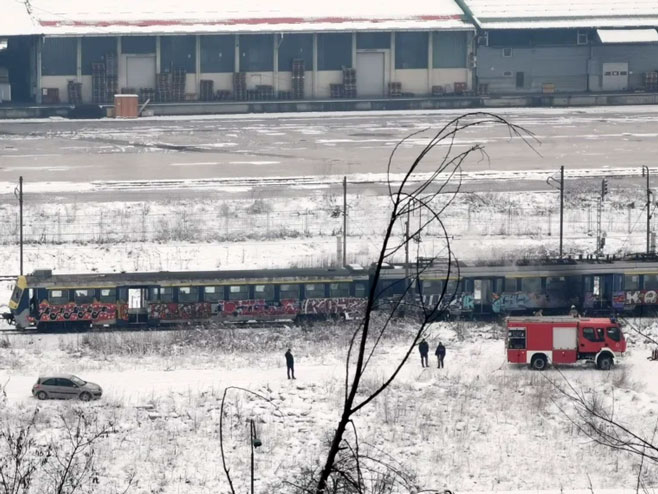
x: 598, y: 292
x: 137, y: 305
x: 482, y: 290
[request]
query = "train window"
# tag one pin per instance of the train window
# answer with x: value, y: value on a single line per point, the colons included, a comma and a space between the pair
x: 531, y: 284
x: 188, y: 294
x: 83, y: 296
x: 339, y: 289
x: 264, y: 292
x: 632, y: 282
x: 556, y: 283
x: 614, y: 334
x: 360, y: 290
x: 391, y: 288
x: 166, y: 294
x: 288, y: 292
x: 432, y: 287
x: 108, y: 295
x: 510, y: 285
x: 454, y: 287
x: 238, y: 292
x: 58, y: 296
x: 314, y: 290
x: 213, y: 293
x: 16, y: 294
x: 650, y: 281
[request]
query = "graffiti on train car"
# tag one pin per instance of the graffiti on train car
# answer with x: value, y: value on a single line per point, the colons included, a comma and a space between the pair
x: 333, y: 305
x: 81, y: 312
x: 516, y: 301
x: 634, y: 297
x: 167, y: 311
x: 258, y: 307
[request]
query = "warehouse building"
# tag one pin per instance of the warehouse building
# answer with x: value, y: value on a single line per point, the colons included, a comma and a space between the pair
x: 578, y: 46
x: 165, y: 51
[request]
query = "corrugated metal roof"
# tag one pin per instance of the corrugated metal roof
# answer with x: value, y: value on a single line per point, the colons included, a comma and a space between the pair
x: 89, y: 17
x: 627, y: 35
x: 524, y: 14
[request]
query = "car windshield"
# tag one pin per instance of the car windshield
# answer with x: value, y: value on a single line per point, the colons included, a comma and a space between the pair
x: 78, y: 381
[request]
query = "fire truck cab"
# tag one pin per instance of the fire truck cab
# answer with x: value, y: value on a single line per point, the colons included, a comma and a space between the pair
x: 538, y: 341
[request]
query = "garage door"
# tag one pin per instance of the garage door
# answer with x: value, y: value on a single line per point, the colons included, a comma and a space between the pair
x: 140, y: 72
x: 370, y: 74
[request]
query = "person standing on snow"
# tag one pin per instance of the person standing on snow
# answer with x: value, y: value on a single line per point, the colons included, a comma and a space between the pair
x: 290, y: 364
x: 424, y: 349
x: 440, y: 354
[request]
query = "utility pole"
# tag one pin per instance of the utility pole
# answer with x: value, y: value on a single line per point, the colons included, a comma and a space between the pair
x: 561, y: 206
x: 344, y: 221
x: 644, y: 167
x: 255, y: 443
x: 600, y: 237
x: 553, y: 183
x: 19, y: 193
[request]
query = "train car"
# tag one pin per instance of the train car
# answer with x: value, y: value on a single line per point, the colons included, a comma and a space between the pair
x: 46, y: 301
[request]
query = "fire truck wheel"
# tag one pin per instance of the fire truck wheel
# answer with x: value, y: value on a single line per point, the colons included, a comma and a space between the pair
x: 604, y: 362
x: 539, y: 362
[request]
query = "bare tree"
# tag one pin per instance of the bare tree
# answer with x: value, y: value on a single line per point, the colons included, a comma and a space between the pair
x: 423, y: 190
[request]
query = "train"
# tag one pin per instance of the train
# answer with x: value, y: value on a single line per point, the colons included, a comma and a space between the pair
x: 595, y: 286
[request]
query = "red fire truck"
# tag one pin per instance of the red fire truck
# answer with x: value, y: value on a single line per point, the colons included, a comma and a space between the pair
x: 539, y: 341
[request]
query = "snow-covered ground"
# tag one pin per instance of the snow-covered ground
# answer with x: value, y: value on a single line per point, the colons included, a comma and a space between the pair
x: 477, y: 425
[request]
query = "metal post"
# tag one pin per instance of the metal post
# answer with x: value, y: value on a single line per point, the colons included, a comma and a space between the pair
x: 648, y: 209
x: 252, y: 435
x: 344, y: 221
x: 20, y: 209
x: 561, y: 207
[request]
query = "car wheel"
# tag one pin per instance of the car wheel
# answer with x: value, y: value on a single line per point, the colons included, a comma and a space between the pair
x: 42, y: 395
x: 85, y: 396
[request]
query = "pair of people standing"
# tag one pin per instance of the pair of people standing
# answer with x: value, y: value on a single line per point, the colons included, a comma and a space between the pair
x: 424, y: 349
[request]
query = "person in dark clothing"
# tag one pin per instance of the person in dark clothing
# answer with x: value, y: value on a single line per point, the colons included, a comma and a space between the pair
x: 424, y: 349
x: 440, y: 354
x: 290, y: 364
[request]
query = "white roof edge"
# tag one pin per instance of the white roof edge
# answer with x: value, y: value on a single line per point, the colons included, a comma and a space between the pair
x: 587, y: 23
x: 257, y: 29
x: 627, y: 35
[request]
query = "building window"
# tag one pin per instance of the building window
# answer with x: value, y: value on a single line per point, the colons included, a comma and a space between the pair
x: 373, y: 41
x: 256, y: 53
x: 295, y: 46
x: 217, y: 54
x: 507, y: 52
x: 178, y: 52
x: 334, y: 51
x: 411, y: 50
x: 95, y: 50
x: 136, y: 45
x: 582, y: 38
x: 59, y: 56
x: 449, y: 50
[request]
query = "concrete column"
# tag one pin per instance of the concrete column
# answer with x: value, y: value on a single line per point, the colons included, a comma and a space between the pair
x: 121, y: 73
x: 277, y: 38
x: 237, y: 53
x: 393, y: 79
x: 430, y: 56
x: 38, y: 95
x: 78, y: 62
x: 315, y: 66
x: 157, y: 55
x: 198, y: 65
